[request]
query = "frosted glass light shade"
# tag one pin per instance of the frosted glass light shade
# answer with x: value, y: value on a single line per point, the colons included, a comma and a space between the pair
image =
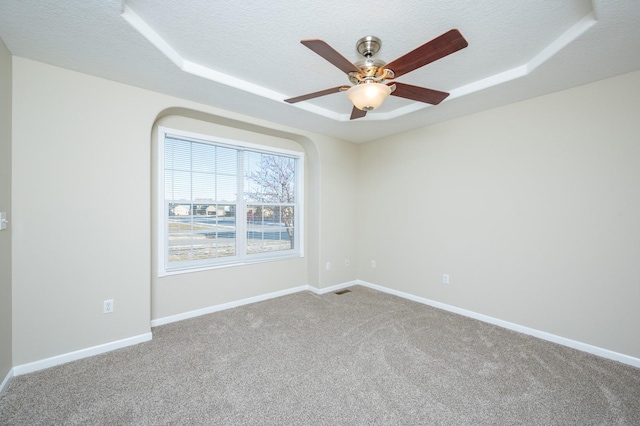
x: 368, y: 96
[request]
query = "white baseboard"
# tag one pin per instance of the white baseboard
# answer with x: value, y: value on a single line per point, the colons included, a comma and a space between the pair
x: 332, y: 288
x: 95, y: 350
x: 5, y: 383
x: 247, y: 301
x: 215, y: 308
x: 79, y: 354
x: 585, y: 347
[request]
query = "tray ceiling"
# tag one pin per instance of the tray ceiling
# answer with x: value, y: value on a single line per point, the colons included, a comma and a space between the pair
x: 246, y: 56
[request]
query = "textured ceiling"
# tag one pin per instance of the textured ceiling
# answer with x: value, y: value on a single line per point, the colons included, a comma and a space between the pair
x: 246, y: 56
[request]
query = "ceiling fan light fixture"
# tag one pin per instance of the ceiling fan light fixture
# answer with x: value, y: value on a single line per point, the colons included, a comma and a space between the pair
x: 368, y: 75
x: 368, y: 96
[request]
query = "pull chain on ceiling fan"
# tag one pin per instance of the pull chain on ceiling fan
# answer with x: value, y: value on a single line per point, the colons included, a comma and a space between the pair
x: 369, y: 76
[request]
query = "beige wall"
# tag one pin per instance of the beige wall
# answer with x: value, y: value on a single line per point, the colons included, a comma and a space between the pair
x: 82, y: 213
x: 338, y: 227
x: 5, y: 206
x: 532, y: 209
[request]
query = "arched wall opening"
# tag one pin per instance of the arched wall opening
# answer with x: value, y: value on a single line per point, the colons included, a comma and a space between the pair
x: 177, y: 294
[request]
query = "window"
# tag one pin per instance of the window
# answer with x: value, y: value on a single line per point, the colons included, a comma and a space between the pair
x: 225, y: 202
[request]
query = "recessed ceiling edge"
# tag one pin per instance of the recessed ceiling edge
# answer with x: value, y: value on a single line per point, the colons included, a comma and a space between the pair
x: 368, y: 46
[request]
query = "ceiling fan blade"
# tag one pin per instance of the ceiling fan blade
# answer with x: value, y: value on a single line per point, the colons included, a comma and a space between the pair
x: 331, y: 55
x: 357, y: 113
x: 439, y: 47
x: 417, y: 93
x: 317, y: 94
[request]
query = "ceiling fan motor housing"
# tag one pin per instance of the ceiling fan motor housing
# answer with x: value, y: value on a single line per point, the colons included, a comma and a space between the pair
x: 373, y: 71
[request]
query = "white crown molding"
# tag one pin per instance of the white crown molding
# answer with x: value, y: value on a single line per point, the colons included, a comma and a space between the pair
x: 210, y: 74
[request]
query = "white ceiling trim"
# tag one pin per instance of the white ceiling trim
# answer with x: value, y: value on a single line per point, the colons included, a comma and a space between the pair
x: 573, y: 33
x: 139, y: 24
x: 160, y: 43
x: 547, y: 53
x: 143, y: 28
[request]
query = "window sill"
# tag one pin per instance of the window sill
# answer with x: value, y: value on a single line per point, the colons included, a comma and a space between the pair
x: 245, y: 262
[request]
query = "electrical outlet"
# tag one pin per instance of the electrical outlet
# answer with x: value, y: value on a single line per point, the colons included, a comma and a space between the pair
x: 346, y: 262
x: 445, y: 278
x: 107, y: 306
x: 328, y: 266
x: 373, y: 263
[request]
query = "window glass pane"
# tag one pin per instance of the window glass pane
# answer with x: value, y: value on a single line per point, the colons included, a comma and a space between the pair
x: 179, y: 232
x: 269, y: 178
x: 178, y: 185
x: 207, y: 224
x: 168, y: 184
x: 201, y: 182
x: 204, y: 187
x: 177, y: 154
x: 179, y: 247
x: 227, y: 188
x: 208, y: 233
x: 265, y: 230
x: 180, y: 210
x: 227, y: 161
x: 225, y: 230
x: 267, y: 214
x: 203, y: 157
x: 287, y: 216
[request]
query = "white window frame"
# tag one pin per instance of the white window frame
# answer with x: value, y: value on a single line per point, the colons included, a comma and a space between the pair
x: 241, y: 257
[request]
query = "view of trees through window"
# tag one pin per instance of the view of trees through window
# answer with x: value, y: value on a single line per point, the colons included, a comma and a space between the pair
x: 204, y: 213
x: 270, y: 193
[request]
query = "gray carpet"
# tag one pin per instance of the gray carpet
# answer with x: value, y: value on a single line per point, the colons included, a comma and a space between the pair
x: 362, y: 358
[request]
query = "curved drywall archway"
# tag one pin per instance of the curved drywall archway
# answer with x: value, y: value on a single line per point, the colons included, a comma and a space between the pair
x: 229, y: 127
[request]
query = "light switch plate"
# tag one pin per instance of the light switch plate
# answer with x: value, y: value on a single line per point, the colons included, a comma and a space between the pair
x: 3, y: 220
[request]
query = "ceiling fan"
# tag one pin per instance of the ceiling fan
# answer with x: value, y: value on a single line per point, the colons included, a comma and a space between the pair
x: 369, y: 75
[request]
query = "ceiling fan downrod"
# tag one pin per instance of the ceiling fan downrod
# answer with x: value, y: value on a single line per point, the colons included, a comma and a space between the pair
x: 373, y: 70
x: 368, y: 46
